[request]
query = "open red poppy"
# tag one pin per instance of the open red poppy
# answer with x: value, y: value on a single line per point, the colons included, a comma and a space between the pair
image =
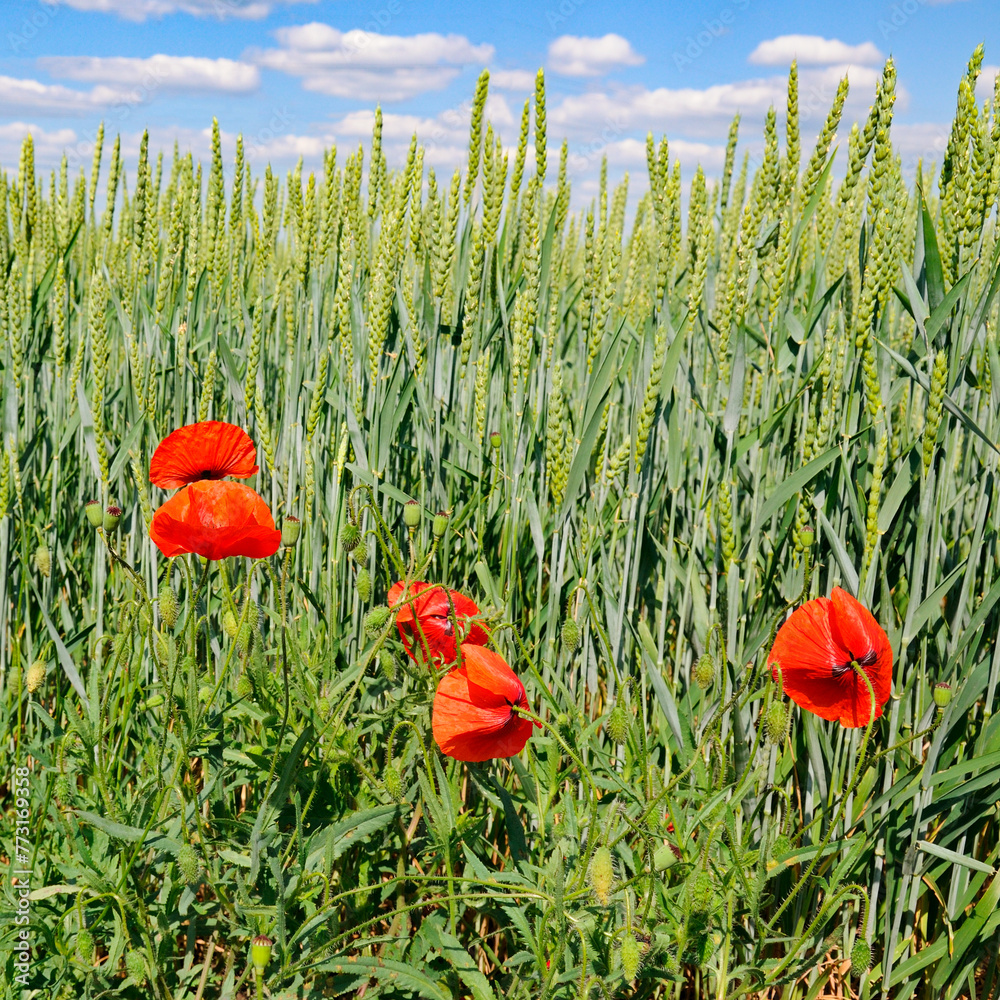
x: 473, y: 716
x: 210, y: 449
x: 816, y: 648
x: 215, y: 520
x: 424, y: 620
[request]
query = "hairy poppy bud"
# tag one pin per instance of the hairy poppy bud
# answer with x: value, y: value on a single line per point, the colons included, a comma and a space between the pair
x: 350, y: 537
x: 617, y: 725
x: 700, y: 892
x: 440, y: 524
x: 145, y: 620
x: 602, y: 874
x: 34, y: 677
x: 43, y: 560
x: 94, y: 513
x: 290, y: 529
x: 188, y: 864
x: 112, y: 518
x: 205, y: 693
x: 229, y: 623
x: 411, y: 514
x: 165, y: 648
x: 169, y: 606
x: 861, y: 957
x: 260, y: 953
x: 323, y: 707
x: 942, y: 694
x: 393, y: 783
x: 630, y: 957
x: 135, y: 965
x: 776, y: 722
x: 244, y: 638
x: 704, y: 671
x: 63, y: 788
x: 388, y: 664
x: 85, y: 946
x: 375, y: 619
x: 244, y: 686
x: 363, y: 583
x: 571, y: 634
x: 495, y: 440
x: 253, y: 614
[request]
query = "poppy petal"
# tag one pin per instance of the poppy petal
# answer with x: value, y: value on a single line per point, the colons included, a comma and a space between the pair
x: 215, y: 519
x: 210, y: 449
x: 425, y: 624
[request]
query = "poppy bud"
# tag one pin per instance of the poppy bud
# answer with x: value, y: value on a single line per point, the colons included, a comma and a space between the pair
x: 34, y: 677
x: 664, y: 857
x: 350, y: 537
x: 704, y: 671
x: 169, y: 607
x: 700, y: 890
x: 188, y: 864
x: 205, y: 693
x: 630, y: 957
x: 135, y: 965
x: 861, y: 957
x: 602, y: 874
x: 617, y: 725
x: 942, y: 694
x: 244, y: 686
x: 63, y: 788
x: 375, y: 619
x: 290, y: 531
x: 495, y: 440
x: 229, y: 624
x: 112, y: 517
x: 260, y: 953
x: 570, y: 634
x: 145, y: 620
x: 43, y: 560
x: 253, y: 614
x: 411, y: 514
x: 388, y: 664
x: 85, y: 946
x: 363, y: 583
x: 776, y: 722
x: 94, y: 513
x: 393, y: 783
x: 165, y: 648
x: 244, y: 638
x: 323, y: 707
x: 440, y: 524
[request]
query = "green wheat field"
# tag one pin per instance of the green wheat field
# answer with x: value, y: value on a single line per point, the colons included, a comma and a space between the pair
x: 665, y: 421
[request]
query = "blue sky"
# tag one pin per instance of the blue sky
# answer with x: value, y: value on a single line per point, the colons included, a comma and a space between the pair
x: 295, y: 75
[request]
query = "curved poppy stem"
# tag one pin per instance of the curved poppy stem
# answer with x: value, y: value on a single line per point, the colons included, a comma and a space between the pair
x: 852, y: 784
x: 383, y: 533
x: 570, y: 752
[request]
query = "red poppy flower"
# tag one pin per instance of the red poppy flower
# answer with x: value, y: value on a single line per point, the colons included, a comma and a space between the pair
x: 425, y: 615
x: 815, y: 649
x: 473, y: 718
x: 215, y: 520
x: 207, y: 450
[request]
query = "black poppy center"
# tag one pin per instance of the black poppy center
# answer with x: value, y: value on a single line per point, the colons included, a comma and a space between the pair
x: 868, y: 660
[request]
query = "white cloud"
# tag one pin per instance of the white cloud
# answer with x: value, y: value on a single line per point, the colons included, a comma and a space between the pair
x: 986, y: 83
x: 512, y: 79
x: 813, y: 50
x: 139, y: 10
x: 572, y: 55
x: 157, y: 72
x: 368, y: 66
x: 21, y: 96
x: 48, y: 146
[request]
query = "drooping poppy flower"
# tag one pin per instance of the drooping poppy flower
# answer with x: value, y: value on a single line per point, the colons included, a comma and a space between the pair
x: 215, y: 520
x: 473, y: 717
x: 210, y: 449
x: 424, y: 620
x: 816, y: 648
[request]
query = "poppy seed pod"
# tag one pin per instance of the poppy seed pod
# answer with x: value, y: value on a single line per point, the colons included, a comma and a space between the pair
x: 806, y: 536
x: 617, y: 725
x: 411, y: 514
x: 601, y: 874
x: 43, y: 560
x: 440, y: 524
x: 260, y: 952
x: 94, y: 513
x: 942, y: 694
x: 495, y: 440
x: 350, y: 537
x: 861, y: 957
x: 112, y: 518
x: 290, y: 529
